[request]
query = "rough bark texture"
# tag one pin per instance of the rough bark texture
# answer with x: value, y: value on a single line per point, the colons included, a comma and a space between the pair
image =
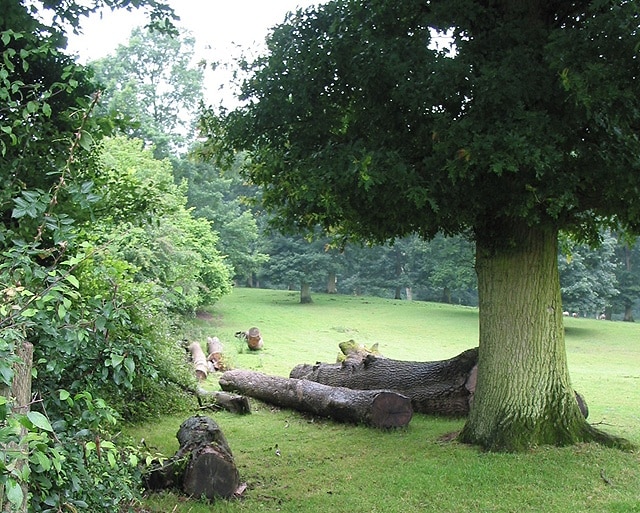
x: 378, y: 408
x: 20, y: 397
x: 438, y: 387
x: 523, y: 396
x: 203, y: 466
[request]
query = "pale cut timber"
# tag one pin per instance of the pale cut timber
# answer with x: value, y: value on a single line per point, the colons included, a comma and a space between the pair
x: 215, y: 350
x: 199, y: 361
x: 377, y: 408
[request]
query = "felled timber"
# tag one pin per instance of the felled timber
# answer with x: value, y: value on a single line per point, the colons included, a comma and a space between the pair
x: 215, y: 350
x: 223, y: 400
x: 378, y: 408
x: 199, y: 361
x: 438, y: 387
x: 203, y: 466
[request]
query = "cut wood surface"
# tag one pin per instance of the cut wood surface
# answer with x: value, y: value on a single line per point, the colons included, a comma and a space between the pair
x: 378, y: 408
x: 203, y: 466
x: 199, y: 361
x: 437, y: 387
x: 215, y: 350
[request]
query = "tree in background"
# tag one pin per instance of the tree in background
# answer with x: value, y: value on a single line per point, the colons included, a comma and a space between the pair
x: 153, y: 89
x: 295, y: 263
x: 588, y: 277
x: 628, y: 276
x: 355, y: 122
x: 225, y: 200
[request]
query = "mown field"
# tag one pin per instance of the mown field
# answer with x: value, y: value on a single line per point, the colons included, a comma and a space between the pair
x: 325, y: 466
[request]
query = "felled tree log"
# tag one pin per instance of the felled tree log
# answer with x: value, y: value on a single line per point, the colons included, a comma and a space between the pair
x: 438, y: 387
x: 378, y: 408
x: 215, y: 349
x: 199, y: 360
x: 231, y: 402
x: 203, y: 466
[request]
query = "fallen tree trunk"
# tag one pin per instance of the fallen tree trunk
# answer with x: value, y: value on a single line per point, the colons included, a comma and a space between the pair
x: 199, y: 360
x: 378, y: 408
x: 231, y: 402
x: 440, y: 387
x: 215, y: 349
x: 203, y: 466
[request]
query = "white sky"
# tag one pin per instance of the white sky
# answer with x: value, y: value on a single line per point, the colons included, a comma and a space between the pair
x: 220, y: 28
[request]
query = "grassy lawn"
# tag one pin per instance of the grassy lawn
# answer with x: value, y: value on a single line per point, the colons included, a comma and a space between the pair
x: 324, y: 466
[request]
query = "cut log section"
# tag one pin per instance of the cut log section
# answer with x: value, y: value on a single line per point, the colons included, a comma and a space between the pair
x: 224, y: 400
x: 215, y: 349
x: 253, y: 337
x: 203, y: 466
x: 378, y: 408
x: 438, y: 387
x: 199, y: 361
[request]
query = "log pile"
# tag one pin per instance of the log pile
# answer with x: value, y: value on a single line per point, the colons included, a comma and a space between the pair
x: 203, y: 466
x: 439, y: 387
x: 377, y: 408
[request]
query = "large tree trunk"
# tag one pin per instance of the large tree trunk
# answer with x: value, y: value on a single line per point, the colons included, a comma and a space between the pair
x: 378, y: 408
x: 523, y: 396
x: 305, y: 293
x: 332, y: 283
x: 440, y: 387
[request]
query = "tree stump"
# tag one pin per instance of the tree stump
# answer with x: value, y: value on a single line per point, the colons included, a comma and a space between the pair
x: 378, y: 408
x: 203, y: 466
x: 253, y: 337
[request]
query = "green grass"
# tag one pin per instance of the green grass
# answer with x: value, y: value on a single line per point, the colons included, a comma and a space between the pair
x: 325, y: 466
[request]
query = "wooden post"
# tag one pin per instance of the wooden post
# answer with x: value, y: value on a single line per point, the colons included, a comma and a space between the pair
x: 19, y: 396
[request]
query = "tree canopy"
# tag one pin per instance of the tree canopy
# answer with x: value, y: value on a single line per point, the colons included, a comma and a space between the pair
x: 364, y: 127
x: 527, y: 125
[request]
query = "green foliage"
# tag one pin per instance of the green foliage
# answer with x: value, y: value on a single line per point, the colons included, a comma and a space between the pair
x: 354, y: 121
x: 175, y: 251
x: 152, y: 89
x: 101, y: 329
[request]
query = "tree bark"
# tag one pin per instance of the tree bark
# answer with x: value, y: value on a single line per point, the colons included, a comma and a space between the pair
x: 305, y: 293
x: 203, y: 466
x: 521, y: 329
x: 437, y: 388
x: 378, y: 408
x: 19, y: 396
x: 332, y: 283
